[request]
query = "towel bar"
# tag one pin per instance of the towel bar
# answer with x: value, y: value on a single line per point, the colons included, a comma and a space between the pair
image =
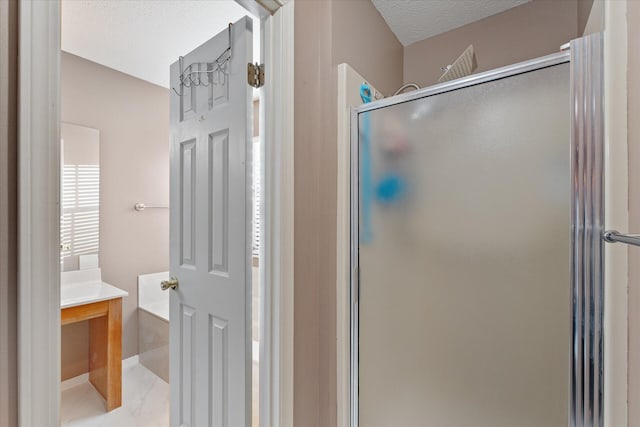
x: 141, y: 206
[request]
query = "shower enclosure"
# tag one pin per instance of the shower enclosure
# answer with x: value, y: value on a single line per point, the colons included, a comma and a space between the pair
x: 476, y: 279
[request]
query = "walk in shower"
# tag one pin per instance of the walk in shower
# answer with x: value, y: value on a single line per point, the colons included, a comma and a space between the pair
x: 476, y: 284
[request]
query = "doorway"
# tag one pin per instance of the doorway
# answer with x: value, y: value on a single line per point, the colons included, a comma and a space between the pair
x: 147, y: 210
x: 39, y: 146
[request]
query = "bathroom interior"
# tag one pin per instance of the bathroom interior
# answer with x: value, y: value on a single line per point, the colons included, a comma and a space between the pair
x: 115, y: 163
x: 115, y: 202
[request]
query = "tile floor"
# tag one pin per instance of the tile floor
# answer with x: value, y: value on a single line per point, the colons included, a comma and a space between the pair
x: 145, y: 402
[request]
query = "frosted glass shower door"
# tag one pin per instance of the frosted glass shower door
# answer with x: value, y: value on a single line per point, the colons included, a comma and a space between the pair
x: 464, y: 257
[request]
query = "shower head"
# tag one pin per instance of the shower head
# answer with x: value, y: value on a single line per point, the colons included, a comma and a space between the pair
x: 461, y: 67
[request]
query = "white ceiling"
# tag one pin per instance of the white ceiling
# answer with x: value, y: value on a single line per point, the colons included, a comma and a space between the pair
x: 143, y: 38
x: 415, y: 20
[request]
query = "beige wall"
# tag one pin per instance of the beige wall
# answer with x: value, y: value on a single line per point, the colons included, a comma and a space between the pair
x: 362, y: 39
x: 133, y: 119
x: 633, y: 129
x: 534, y: 29
x: 314, y: 182
x: 8, y: 212
x: 326, y: 34
x: 616, y: 174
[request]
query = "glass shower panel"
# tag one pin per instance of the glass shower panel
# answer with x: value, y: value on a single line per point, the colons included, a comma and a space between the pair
x: 464, y: 257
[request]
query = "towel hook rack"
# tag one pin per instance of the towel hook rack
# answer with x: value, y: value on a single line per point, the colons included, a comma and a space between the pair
x: 189, y: 77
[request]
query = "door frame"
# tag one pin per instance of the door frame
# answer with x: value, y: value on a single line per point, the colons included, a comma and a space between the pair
x: 39, y: 196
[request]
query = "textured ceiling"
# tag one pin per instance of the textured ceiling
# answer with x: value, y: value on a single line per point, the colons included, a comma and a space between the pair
x: 143, y: 38
x: 415, y: 20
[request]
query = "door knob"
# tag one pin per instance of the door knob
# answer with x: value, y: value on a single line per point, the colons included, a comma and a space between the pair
x: 169, y: 284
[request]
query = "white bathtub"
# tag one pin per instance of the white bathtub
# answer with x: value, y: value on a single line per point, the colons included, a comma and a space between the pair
x: 153, y: 324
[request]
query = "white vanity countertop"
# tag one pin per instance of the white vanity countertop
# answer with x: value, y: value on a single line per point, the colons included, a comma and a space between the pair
x: 86, y: 287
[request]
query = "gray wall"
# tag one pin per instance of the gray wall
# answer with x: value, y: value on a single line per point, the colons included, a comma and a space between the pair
x: 8, y: 212
x: 534, y: 29
x: 133, y: 119
x: 327, y: 32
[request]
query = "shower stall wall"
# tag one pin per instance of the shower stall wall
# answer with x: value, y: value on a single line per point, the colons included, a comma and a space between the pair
x: 476, y: 284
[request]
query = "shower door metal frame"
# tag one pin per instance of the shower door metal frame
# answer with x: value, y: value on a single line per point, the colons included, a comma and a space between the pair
x: 586, y: 59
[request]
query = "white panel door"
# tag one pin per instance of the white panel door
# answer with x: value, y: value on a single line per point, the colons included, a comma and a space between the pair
x: 211, y: 234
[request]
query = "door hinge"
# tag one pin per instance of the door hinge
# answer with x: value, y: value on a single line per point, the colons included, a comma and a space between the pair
x: 255, y: 74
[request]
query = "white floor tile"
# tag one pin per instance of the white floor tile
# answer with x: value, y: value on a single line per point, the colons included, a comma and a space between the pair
x: 145, y: 403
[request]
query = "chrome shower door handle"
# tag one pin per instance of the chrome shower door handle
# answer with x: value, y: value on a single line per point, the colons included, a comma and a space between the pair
x: 169, y: 284
x: 612, y: 236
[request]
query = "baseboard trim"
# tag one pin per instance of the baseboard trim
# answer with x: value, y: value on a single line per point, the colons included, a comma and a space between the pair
x: 73, y: 382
